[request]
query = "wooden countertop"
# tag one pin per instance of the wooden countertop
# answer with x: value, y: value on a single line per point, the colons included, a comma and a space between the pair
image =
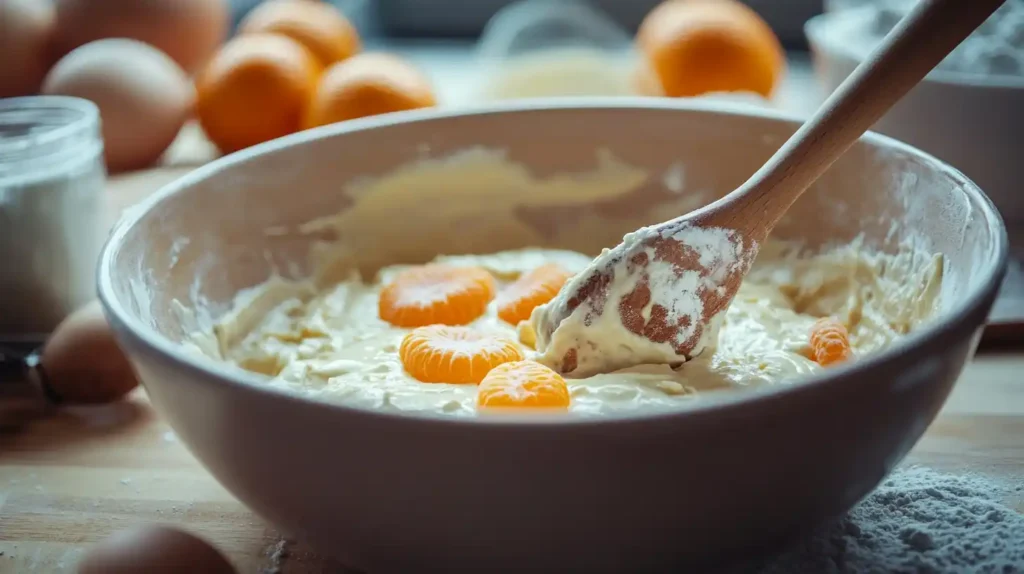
x: 70, y: 480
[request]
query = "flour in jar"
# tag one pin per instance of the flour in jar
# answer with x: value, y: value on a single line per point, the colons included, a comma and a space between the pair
x: 53, y: 210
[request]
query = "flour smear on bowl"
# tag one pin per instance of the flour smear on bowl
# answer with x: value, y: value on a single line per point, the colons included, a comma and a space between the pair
x: 325, y: 338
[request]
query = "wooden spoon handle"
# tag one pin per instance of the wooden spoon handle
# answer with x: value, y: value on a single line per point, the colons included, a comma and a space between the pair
x: 921, y: 40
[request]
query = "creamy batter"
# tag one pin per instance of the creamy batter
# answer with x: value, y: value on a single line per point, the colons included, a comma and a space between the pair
x: 593, y: 338
x: 330, y: 343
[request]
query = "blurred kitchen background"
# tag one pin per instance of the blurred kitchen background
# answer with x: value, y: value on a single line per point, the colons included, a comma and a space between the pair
x: 236, y: 73
x: 167, y: 85
x: 450, y: 38
x: 465, y: 19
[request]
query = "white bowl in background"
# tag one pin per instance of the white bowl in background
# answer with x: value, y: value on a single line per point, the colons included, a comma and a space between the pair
x: 974, y: 122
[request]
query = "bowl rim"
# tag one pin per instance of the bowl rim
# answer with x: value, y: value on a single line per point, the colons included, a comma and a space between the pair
x: 821, y: 43
x: 148, y: 340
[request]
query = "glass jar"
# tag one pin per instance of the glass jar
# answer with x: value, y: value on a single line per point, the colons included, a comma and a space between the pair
x: 53, y: 212
x: 548, y: 48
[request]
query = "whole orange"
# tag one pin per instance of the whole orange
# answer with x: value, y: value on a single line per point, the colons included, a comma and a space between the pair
x: 318, y: 26
x: 695, y: 47
x: 255, y: 89
x: 368, y: 85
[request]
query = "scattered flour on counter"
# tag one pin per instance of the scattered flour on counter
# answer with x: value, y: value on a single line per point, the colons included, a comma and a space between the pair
x: 918, y: 521
x: 276, y: 553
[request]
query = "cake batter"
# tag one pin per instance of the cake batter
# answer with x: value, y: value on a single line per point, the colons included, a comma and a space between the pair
x: 333, y: 346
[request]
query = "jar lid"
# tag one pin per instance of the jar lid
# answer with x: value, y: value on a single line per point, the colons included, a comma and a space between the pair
x: 42, y: 134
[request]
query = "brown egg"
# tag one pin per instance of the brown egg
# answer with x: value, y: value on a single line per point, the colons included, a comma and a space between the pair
x: 154, y: 549
x: 83, y: 362
x: 189, y: 31
x: 143, y: 96
x: 26, y: 28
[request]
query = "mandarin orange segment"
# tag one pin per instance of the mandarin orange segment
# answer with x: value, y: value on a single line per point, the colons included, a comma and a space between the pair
x: 444, y: 354
x: 830, y: 342
x: 432, y: 294
x: 517, y: 301
x: 523, y: 384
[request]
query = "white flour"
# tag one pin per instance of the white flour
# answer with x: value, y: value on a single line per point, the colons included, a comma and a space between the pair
x: 917, y: 522
x: 277, y: 554
x: 52, y: 210
x: 995, y: 49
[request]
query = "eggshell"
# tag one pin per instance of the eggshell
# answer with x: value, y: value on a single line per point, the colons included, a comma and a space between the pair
x: 26, y: 28
x: 153, y: 549
x: 189, y: 31
x: 143, y: 96
x: 83, y: 362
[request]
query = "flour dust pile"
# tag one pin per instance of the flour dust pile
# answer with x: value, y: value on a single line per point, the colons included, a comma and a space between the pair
x: 917, y: 522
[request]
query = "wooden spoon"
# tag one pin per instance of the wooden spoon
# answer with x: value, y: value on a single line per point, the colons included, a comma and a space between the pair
x: 659, y: 296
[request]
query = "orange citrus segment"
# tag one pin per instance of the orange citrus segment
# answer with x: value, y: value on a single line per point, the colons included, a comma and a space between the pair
x: 517, y: 301
x: 436, y: 293
x: 443, y: 354
x: 523, y: 384
x: 830, y: 342
x: 695, y: 47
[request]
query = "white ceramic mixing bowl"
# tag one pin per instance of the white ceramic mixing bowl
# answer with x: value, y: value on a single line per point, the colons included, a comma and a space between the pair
x: 643, y: 492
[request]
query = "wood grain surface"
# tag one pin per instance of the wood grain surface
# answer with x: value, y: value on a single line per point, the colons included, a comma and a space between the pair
x: 68, y: 480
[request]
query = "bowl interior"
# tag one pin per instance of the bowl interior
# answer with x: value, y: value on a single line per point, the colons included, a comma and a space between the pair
x: 405, y: 188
